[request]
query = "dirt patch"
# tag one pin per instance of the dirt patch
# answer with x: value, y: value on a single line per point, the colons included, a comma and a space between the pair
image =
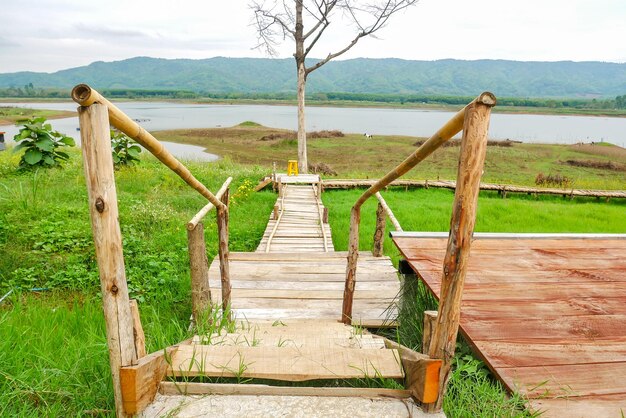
x: 457, y: 143
x: 291, y: 135
x: 602, y: 165
x: 553, y: 180
x: 322, y: 168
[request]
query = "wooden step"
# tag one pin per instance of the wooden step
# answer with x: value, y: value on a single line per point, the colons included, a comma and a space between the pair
x: 285, y: 363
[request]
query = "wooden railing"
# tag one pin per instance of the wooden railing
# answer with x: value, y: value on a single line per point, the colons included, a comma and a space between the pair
x: 96, y: 114
x: 198, y: 261
x: 473, y: 120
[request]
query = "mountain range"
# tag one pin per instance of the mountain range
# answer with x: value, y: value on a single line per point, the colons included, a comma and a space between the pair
x: 361, y: 75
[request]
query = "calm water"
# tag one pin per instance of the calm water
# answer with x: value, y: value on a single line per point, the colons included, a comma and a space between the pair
x: 413, y: 122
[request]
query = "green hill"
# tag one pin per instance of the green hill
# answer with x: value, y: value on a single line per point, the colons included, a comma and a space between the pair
x: 387, y: 76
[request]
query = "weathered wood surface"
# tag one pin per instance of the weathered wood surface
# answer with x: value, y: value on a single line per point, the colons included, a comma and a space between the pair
x: 98, y: 167
x: 547, y: 316
x: 470, y: 168
x: 449, y: 184
x: 285, y: 363
x: 300, y: 225
x: 199, y: 268
x: 308, y: 285
x: 290, y: 350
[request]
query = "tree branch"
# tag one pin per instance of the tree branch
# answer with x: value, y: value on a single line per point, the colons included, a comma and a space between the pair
x: 381, y: 12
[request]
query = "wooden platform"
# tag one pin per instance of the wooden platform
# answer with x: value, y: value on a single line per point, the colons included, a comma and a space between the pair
x: 546, y: 312
x: 308, y: 285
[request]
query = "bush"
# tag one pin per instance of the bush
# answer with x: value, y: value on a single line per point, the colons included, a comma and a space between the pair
x: 42, y: 144
x: 125, y: 150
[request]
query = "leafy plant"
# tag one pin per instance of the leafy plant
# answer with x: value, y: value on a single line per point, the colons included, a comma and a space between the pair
x: 125, y: 150
x: 42, y: 144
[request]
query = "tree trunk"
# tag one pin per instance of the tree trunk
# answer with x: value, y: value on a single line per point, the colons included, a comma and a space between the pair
x: 303, y: 165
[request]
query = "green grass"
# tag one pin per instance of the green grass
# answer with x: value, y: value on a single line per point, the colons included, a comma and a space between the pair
x: 9, y: 115
x: 53, y: 354
x: 430, y: 210
x: 517, y: 164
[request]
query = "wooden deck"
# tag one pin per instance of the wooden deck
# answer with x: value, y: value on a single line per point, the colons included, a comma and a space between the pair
x: 300, y: 275
x: 547, y: 313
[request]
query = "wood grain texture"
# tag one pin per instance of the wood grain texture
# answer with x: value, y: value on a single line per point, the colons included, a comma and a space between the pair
x: 546, y: 315
x: 285, y: 363
x: 199, y: 269
x: 464, y: 207
x: 140, y: 382
x: 98, y: 167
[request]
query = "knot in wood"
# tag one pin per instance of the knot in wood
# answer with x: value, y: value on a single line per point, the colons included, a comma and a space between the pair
x: 100, y: 205
x: 114, y: 289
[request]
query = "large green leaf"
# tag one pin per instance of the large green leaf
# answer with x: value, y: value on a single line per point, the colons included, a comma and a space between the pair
x: 49, y: 160
x: 45, y: 144
x: 134, y: 151
x: 24, y: 133
x: 32, y: 156
x: 21, y: 145
x: 68, y: 141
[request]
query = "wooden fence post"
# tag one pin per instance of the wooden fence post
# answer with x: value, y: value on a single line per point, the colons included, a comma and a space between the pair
x: 199, y: 267
x: 98, y: 165
x: 470, y: 168
x: 379, y: 232
x: 222, y: 228
x: 353, y: 256
x: 138, y: 334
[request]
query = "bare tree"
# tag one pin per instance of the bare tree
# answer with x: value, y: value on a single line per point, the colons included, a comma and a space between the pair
x: 279, y: 20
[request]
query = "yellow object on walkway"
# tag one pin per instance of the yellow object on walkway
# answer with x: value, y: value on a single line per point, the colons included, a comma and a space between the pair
x: 292, y: 167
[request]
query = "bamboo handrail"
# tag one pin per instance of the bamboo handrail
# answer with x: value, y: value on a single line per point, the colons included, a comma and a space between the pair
x: 320, y: 214
x: 86, y: 96
x: 446, y: 132
x: 282, y: 210
x: 206, y: 209
x: 388, y: 211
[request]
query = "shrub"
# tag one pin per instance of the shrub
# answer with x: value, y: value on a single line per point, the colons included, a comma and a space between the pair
x: 42, y: 144
x: 125, y: 150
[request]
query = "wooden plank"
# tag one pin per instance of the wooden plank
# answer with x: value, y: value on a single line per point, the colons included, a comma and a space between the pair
x: 140, y: 382
x: 263, y: 184
x: 560, y: 276
x: 285, y: 363
x: 525, y: 352
x: 572, y: 380
x: 192, y: 388
x: 609, y: 406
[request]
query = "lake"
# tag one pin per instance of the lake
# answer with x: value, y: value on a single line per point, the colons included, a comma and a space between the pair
x: 412, y: 122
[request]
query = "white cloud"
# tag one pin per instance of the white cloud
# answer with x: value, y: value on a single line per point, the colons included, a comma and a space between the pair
x: 48, y: 35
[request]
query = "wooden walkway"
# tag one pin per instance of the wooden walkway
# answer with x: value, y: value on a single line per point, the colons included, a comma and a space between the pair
x: 300, y: 226
x: 299, y: 275
x: 546, y: 313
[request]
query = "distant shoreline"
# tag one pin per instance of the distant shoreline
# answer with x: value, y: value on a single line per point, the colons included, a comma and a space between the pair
x: 564, y: 111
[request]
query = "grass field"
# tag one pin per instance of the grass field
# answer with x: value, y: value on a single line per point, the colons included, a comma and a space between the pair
x: 10, y: 115
x: 53, y: 353
x: 517, y: 164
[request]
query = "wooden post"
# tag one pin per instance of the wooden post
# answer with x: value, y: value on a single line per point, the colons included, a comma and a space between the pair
x: 274, y: 176
x: 138, y: 334
x: 470, y: 168
x: 379, y: 232
x: 275, y: 213
x: 199, y: 266
x: 98, y: 166
x: 325, y: 215
x: 430, y: 319
x: 353, y: 256
x: 222, y: 229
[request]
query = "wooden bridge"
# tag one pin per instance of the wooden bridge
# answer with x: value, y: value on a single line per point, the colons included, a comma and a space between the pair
x: 295, y: 272
x: 297, y: 310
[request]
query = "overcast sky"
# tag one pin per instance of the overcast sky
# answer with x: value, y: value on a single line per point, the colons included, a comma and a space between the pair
x: 49, y: 35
